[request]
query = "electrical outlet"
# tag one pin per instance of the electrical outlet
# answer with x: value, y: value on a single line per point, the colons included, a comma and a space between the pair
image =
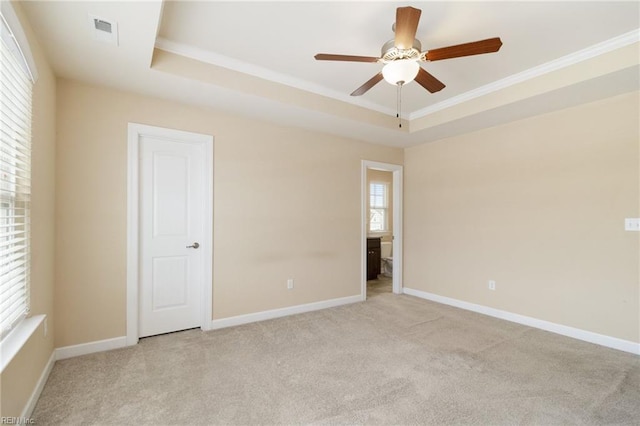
x: 632, y: 224
x: 492, y: 285
x: 290, y: 284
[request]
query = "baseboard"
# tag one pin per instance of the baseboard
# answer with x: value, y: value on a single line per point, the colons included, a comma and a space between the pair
x: 33, y: 399
x: 282, y: 312
x: 121, y: 342
x: 576, y: 333
x: 91, y: 347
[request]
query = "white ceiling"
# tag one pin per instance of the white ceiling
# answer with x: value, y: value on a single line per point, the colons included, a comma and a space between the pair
x: 256, y: 59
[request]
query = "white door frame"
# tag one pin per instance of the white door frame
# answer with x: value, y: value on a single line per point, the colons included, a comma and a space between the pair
x: 133, y: 220
x: 397, y: 224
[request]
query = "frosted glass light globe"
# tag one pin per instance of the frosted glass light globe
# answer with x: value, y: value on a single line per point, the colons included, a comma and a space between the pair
x: 402, y: 70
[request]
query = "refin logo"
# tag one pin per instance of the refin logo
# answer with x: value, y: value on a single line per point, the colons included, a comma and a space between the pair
x: 17, y: 420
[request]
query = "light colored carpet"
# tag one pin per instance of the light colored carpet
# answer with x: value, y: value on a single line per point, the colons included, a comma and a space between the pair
x: 389, y: 360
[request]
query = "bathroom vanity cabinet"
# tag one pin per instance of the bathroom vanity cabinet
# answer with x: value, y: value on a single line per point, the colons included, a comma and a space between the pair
x: 373, y: 258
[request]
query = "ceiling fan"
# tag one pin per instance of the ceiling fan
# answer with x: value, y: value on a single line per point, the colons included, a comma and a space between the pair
x: 402, y: 54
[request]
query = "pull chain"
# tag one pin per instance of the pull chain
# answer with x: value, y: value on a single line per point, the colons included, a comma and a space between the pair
x: 399, y: 103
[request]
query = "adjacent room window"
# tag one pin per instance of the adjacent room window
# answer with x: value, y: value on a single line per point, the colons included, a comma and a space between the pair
x: 378, y: 207
x: 15, y: 182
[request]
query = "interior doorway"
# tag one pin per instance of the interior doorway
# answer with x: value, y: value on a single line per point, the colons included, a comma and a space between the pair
x: 392, y: 240
x: 169, y: 238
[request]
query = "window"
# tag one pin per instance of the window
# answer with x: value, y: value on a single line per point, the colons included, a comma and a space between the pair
x: 378, y: 207
x: 15, y: 181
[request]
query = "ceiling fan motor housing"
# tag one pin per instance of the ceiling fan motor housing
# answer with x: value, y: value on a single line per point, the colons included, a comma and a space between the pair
x: 391, y: 53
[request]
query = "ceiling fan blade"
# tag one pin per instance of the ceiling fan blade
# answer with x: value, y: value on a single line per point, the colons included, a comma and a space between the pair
x: 428, y: 81
x: 467, y: 49
x: 349, y: 58
x: 368, y: 85
x: 407, y: 19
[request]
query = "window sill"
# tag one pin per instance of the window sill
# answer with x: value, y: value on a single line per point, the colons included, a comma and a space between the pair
x: 14, y: 341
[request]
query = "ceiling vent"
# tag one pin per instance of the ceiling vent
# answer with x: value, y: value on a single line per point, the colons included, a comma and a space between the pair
x: 102, y: 25
x: 103, y: 29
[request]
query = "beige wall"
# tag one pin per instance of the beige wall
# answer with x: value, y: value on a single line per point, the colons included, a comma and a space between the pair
x: 538, y: 206
x: 286, y: 205
x: 382, y: 176
x: 20, y: 377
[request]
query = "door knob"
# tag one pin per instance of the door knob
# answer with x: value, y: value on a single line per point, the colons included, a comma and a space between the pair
x: 194, y: 245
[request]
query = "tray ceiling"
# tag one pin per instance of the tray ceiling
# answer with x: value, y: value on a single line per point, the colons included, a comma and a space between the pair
x: 256, y: 59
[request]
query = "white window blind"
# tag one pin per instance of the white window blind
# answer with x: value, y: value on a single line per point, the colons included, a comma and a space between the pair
x: 15, y: 182
x: 378, y: 206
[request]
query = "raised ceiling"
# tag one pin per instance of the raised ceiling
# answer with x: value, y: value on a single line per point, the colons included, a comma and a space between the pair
x: 256, y: 58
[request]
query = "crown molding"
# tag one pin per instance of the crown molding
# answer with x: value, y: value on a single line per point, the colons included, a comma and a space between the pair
x: 280, y: 78
x: 263, y: 73
x: 557, y: 64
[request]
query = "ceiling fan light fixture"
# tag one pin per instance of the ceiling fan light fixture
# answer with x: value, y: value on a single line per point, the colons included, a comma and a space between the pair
x: 402, y: 55
x: 400, y: 71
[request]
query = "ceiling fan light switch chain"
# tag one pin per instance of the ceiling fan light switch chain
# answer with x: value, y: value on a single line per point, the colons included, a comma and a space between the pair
x: 399, y: 104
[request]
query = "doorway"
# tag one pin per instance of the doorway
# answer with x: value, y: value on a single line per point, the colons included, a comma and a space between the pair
x: 169, y: 238
x: 395, y: 264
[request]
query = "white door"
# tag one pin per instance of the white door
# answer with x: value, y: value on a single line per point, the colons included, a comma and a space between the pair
x: 171, y: 232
